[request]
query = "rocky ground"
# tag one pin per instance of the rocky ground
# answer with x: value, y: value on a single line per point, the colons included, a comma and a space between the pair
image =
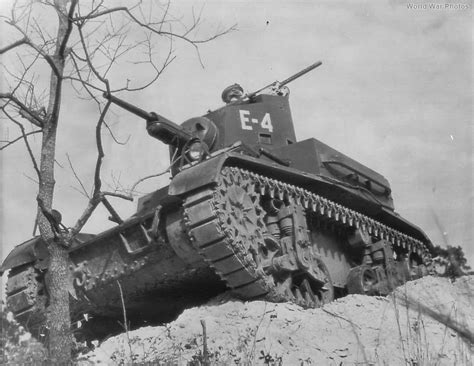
x: 425, y: 322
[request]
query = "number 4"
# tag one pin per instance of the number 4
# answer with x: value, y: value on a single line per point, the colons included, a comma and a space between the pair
x: 267, y: 122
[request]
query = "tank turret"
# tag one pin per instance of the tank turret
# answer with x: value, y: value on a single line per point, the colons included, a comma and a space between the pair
x: 260, y: 121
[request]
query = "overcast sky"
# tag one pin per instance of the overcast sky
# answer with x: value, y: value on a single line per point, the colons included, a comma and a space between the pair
x: 394, y: 92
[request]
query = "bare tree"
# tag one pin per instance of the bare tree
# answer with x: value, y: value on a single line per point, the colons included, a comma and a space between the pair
x: 67, y: 43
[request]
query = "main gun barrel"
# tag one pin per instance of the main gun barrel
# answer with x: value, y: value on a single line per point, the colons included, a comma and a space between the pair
x: 157, y: 126
x: 131, y: 108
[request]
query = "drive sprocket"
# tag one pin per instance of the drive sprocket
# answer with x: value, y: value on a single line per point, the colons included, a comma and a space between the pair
x: 225, y: 224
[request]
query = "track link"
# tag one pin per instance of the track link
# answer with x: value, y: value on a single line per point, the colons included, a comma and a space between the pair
x: 209, y: 227
x: 26, y: 298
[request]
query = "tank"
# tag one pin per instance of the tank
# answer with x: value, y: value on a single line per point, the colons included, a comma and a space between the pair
x: 248, y: 209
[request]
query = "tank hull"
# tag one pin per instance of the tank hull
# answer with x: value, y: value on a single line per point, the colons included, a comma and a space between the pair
x: 234, y: 221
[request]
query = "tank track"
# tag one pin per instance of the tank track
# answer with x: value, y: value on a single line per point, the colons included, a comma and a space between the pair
x: 205, y: 220
x: 221, y: 235
x: 26, y: 297
x: 207, y: 223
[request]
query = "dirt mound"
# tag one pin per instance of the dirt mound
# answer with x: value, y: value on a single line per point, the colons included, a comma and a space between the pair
x: 427, y: 321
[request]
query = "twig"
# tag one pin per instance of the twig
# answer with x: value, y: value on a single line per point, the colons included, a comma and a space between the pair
x: 397, y: 317
x: 25, y: 139
x: 159, y: 31
x: 115, y: 138
x: 205, y: 351
x: 147, y: 177
x: 76, y: 176
x: 339, y: 316
x: 125, y: 322
x: 174, y: 159
x: 36, y: 120
x: 252, y: 349
x: 26, y: 40
x: 30, y: 178
x: 118, y: 195
x: 8, y: 143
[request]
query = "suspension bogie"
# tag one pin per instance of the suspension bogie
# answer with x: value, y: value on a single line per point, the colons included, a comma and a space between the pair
x: 308, y: 248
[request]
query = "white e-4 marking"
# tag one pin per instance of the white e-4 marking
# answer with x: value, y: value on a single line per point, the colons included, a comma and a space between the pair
x: 245, y: 121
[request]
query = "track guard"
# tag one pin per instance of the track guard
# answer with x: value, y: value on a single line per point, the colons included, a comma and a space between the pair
x: 27, y: 252
x: 207, y: 173
x: 35, y: 250
x: 198, y: 176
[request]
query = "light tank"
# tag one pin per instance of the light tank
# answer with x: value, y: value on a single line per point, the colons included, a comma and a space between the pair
x: 248, y: 208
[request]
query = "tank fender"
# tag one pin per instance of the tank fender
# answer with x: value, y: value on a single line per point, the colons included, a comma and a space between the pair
x: 35, y: 250
x: 207, y: 172
x: 197, y: 176
x: 30, y: 251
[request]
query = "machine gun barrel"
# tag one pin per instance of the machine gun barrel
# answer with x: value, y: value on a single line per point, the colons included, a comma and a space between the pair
x: 157, y: 126
x: 288, y: 80
x: 301, y: 73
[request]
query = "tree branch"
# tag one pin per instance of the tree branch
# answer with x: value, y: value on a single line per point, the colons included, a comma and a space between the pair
x: 159, y: 31
x: 118, y: 195
x: 91, y: 15
x: 65, y: 39
x: 25, y: 138
x: 28, y: 114
x: 77, y: 177
x: 29, y: 42
x: 88, y: 59
x: 100, y: 149
x: 60, y: 57
x: 114, y: 137
x: 9, y: 143
x: 146, y: 178
x: 91, y: 206
x: 79, y: 78
x: 13, y: 45
x: 174, y: 159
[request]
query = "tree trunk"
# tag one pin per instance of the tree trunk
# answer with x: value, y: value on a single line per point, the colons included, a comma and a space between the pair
x: 58, y: 319
x: 60, y: 338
